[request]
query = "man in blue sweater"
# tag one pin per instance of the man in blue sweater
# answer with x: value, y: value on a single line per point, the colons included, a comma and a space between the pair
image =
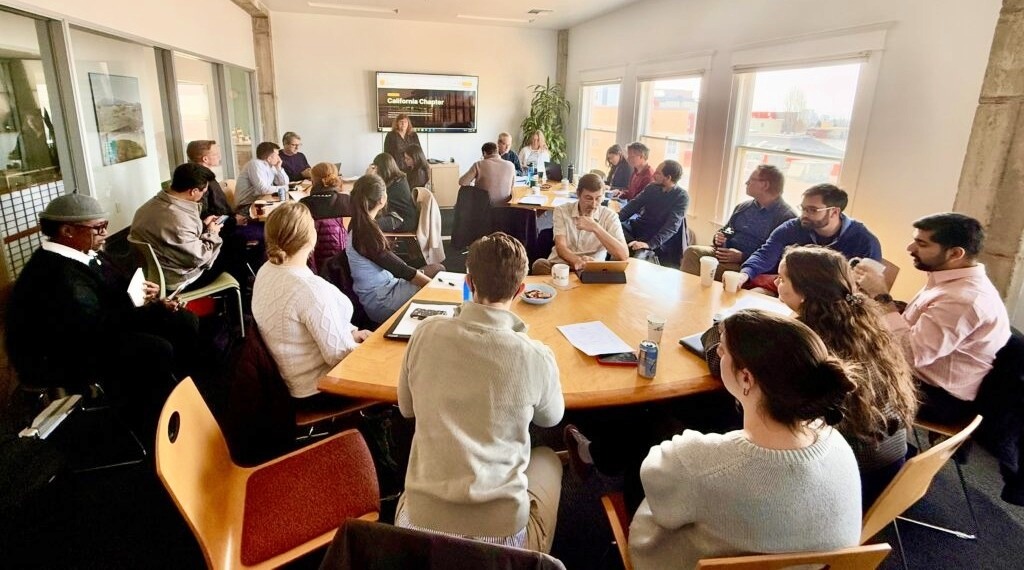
x: 661, y: 208
x: 821, y: 222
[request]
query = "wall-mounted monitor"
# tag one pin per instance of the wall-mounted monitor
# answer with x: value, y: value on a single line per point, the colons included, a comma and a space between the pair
x: 434, y: 103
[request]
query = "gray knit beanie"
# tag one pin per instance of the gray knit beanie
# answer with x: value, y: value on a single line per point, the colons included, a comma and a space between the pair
x: 73, y: 208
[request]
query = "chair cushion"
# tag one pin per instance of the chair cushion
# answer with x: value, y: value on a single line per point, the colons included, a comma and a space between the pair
x: 295, y: 500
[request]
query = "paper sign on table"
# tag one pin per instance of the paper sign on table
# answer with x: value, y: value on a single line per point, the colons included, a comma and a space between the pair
x: 594, y: 338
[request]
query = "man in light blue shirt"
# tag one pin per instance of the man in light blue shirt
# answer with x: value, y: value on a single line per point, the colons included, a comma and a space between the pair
x: 262, y: 176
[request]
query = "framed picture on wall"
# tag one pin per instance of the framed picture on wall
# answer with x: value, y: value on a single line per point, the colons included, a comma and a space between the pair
x: 118, y: 117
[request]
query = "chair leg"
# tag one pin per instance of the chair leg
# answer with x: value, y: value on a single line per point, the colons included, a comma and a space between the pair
x: 967, y: 497
x: 241, y: 314
x: 899, y: 545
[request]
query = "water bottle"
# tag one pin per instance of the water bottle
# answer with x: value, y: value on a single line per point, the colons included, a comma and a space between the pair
x: 572, y: 172
x: 466, y: 294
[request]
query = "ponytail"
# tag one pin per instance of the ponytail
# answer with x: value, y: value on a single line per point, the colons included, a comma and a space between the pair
x: 367, y: 238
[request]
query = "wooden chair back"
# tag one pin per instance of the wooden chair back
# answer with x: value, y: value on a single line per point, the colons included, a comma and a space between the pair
x: 193, y: 463
x: 618, y: 519
x: 229, y: 191
x: 856, y: 558
x: 911, y: 483
x: 145, y: 257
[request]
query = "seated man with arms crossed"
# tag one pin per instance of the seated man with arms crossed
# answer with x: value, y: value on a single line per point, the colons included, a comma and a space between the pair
x: 953, y: 327
x: 471, y: 471
x: 492, y: 173
x: 821, y: 222
x: 584, y: 230
x: 749, y: 226
x: 185, y: 245
x: 662, y: 207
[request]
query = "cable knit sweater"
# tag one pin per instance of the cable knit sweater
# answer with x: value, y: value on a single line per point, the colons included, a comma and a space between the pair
x: 719, y: 494
x: 306, y: 323
x: 474, y: 383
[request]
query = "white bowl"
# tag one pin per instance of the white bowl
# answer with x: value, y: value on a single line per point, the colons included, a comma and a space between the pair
x: 539, y: 287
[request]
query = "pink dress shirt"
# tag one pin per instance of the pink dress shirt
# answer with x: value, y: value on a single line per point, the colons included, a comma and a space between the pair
x: 952, y: 329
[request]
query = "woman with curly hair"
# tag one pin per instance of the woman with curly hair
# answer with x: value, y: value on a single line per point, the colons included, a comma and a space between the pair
x: 817, y: 283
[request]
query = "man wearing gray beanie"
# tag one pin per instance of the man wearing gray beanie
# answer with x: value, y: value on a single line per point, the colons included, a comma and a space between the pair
x: 68, y: 327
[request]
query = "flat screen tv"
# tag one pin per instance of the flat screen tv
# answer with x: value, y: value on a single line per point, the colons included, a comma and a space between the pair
x: 434, y: 103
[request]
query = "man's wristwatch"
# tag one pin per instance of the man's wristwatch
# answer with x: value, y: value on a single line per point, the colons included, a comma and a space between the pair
x: 884, y: 298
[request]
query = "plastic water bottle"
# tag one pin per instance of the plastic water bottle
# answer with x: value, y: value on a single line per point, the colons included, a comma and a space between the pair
x: 466, y: 295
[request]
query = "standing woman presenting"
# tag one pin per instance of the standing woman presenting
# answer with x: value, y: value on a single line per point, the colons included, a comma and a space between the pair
x: 402, y: 135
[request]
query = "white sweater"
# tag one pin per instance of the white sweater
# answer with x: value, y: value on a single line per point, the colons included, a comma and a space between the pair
x: 719, y: 494
x: 474, y: 383
x: 306, y: 323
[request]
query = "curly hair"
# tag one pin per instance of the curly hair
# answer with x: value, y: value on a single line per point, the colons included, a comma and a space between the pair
x: 851, y: 327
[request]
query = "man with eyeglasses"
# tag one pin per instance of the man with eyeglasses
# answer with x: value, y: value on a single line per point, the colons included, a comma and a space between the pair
x: 185, y: 245
x: 294, y: 162
x: 749, y: 226
x: 821, y: 222
x: 71, y: 324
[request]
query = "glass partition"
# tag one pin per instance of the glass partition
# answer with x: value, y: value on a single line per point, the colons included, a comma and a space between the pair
x: 198, y: 102
x: 241, y: 115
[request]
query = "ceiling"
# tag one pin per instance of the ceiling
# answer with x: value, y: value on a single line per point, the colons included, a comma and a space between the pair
x: 564, y: 14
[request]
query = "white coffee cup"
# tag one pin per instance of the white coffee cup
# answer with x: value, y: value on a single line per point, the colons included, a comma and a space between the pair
x: 871, y: 265
x: 655, y: 327
x: 733, y: 280
x: 708, y: 266
x: 560, y: 274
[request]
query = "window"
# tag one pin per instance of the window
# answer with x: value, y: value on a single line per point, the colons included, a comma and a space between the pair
x: 198, y: 103
x: 240, y: 117
x: 668, y: 120
x: 599, y: 117
x: 795, y: 119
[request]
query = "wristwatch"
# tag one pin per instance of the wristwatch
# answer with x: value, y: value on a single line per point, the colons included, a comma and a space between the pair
x: 884, y: 298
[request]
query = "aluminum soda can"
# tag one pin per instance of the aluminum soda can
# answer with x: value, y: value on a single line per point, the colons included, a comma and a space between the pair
x: 283, y: 194
x: 647, y: 361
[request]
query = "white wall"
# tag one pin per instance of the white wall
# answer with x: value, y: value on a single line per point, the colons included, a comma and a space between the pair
x: 924, y: 102
x: 325, y: 80
x: 216, y: 29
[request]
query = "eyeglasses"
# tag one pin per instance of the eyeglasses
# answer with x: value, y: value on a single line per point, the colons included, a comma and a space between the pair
x: 814, y: 209
x: 750, y: 180
x: 98, y: 228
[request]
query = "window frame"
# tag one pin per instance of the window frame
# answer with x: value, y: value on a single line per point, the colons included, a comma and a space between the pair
x: 583, y: 116
x: 639, y: 112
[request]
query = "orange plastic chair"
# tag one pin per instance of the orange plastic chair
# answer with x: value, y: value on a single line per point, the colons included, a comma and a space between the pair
x: 263, y: 516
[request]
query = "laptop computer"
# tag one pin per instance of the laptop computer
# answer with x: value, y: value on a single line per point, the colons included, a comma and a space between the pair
x: 553, y: 172
x: 604, y: 272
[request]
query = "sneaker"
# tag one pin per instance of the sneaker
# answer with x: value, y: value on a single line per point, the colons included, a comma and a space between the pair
x: 578, y: 447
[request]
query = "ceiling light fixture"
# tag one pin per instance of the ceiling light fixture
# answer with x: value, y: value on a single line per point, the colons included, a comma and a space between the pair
x: 492, y: 19
x: 352, y: 7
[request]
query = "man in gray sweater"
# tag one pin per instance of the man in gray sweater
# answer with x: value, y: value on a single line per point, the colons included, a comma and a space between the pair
x: 474, y: 383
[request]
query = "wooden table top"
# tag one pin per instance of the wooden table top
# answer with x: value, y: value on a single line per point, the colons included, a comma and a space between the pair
x: 371, y: 371
x: 550, y: 195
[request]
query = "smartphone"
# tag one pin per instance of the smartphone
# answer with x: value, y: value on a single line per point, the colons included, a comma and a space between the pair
x: 618, y: 359
x: 222, y: 219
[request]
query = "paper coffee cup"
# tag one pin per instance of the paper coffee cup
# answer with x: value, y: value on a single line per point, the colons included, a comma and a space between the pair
x: 655, y: 328
x: 708, y: 266
x: 732, y: 281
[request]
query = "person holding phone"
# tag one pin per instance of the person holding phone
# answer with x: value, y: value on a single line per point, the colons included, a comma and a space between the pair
x: 186, y: 246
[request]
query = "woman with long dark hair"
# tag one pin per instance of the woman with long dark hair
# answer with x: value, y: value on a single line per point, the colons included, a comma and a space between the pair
x: 619, y: 171
x: 768, y: 486
x: 381, y: 281
x: 415, y: 167
x: 818, y: 284
x: 400, y: 214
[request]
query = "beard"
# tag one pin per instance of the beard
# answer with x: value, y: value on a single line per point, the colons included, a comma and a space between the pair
x: 923, y: 265
x: 813, y: 225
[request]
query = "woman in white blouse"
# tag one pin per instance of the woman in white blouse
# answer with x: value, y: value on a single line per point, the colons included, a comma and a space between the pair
x: 536, y: 152
x: 305, y: 321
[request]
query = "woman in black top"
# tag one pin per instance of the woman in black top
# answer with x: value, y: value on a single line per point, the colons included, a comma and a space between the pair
x: 414, y: 164
x: 619, y: 171
x: 325, y: 199
x: 402, y: 135
x: 401, y: 214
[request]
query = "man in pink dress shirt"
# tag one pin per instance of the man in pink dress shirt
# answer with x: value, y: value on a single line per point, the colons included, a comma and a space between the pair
x: 953, y: 327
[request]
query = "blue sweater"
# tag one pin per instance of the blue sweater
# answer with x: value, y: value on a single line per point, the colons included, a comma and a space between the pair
x: 854, y: 241
x: 661, y: 214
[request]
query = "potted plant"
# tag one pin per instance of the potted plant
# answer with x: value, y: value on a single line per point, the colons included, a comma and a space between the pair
x: 546, y: 110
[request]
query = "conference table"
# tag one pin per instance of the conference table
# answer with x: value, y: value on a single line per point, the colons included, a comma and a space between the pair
x: 371, y: 371
x: 549, y: 198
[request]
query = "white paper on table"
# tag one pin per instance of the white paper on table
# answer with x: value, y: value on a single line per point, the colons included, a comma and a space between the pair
x: 520, y: 181
x: 448, y: 280
x: 408, y: 324
x: 136, y: 290
x: 594, y: 338
x: 559, y: 201
x: 757, y: 302
x: 536, y: 200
